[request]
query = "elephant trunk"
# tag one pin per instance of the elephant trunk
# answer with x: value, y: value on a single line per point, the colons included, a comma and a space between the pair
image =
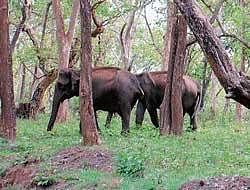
x: 55, y: 106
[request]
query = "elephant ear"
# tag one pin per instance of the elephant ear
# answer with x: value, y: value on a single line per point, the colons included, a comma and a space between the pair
x: 148, y: 79
x: 64, y: 77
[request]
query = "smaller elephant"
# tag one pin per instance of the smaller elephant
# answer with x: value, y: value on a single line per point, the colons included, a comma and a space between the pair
x: 153, y: 85
x: 23, y: 110
x: 113, y: 90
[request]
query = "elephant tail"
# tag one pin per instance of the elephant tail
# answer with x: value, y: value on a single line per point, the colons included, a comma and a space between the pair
x: 197, y: 104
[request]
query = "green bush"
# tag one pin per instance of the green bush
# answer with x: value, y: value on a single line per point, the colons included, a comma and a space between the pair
x: 130, y: 165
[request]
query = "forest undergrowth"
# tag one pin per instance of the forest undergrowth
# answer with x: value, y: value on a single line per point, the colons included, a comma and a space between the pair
x: 143, y: 160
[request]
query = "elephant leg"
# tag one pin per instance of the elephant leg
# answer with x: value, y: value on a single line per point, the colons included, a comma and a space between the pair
x: 125, y: 115
x: 80, y: 128
x: 97, y: 126
x: 140, y: 111
x: 193, y: 122
x: 154, y: 117
x: 108, y: 119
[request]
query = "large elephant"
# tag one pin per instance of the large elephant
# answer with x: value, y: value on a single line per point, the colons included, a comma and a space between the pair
x: 153, y: 85
x: 114, y: 90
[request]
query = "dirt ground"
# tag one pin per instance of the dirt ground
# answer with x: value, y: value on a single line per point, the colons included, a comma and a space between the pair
x: 80, y: 157
x: 23, y: 175
x: 219, y: 183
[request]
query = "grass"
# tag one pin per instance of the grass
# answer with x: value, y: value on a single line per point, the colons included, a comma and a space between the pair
x: 220, y: 147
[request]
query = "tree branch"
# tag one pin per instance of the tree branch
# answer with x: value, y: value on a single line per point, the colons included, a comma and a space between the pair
x: 192, y: 40
x: 25, y: 9
x: 45, y: 22
x: 151, y: 34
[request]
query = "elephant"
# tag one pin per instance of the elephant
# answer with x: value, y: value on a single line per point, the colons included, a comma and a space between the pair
x: 113, y: 90
x: 23, y: 110
x: 153, y: 85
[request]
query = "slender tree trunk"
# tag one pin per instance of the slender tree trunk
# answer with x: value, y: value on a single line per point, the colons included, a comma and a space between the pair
x: 7, y: 107
x: 205, y: 83
x: 171, y: 108
x: 226, y: 105
x: 64, y: 41
x: 32, y: 82
x: 126, y: 40
x: 235, y: 83
x: 213, y: 94
x: 21, y: 83
x: 88, y: 122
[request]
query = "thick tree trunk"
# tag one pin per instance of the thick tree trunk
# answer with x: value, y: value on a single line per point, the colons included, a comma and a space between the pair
x: 172, y: 11
x: 236, y: 84
x: 7, y: 107
x: 88, y: 122
x: 64, y: 41
x: 171, y: 108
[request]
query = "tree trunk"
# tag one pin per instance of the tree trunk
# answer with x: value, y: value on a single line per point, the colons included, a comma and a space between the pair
x: 205, y: 83
x: 22, y: 89
x: 171, y: 108
x: 7, y: 107
x: 172, y: 11
x: 236, y: 84
x: 21, y: 83
x: 126, y: 40
x: 226, y: 105
x: 64, y: 41
x: 88, y: 122
x: 37, y: 97
x: 213, y: 94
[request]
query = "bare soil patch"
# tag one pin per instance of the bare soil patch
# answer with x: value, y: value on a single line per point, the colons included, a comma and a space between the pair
x: 21, y: 175
x: 82, y: 157
x: 219, y: 183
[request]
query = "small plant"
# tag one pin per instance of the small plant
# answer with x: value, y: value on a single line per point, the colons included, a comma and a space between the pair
x: 130, y: 165
x: 44, y: 181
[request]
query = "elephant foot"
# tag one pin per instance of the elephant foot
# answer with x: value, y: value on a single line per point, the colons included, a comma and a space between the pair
x: 138, y: 125
x: 125, y: 133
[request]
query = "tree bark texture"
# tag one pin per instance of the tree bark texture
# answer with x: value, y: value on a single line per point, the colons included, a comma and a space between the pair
x: 172, y: 11
x: 171, y: 108
x: 87, y: 116
x: 236, y: 84
x: 64, y: 41
x: 7, y: 107
x: 37, y: 97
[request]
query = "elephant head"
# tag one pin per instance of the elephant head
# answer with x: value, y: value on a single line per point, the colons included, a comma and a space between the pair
x: 66, y: 87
